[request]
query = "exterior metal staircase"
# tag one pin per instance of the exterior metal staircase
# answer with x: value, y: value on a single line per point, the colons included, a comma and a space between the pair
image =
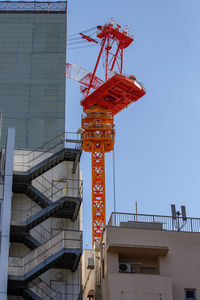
x: 30, y: 295
x: 34, y: 164
x: 42, y: 290
x: 35, y: 195
x: 44, y: 166
x: 64, y: 207
x: 30, y: 242
x: 44, y: 158
x: 40, y: 216
x: 61, y: 251
x: 37, y: 290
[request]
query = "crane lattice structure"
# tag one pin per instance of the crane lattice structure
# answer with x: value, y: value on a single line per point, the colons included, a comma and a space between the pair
x: 101, y: 101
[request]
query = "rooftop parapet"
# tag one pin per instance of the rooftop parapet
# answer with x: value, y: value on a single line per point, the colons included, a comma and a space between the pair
x: 155, y: 222
x: 33, y: 6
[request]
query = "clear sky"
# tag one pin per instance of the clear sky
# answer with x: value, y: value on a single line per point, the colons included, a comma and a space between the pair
x: 157, y: 155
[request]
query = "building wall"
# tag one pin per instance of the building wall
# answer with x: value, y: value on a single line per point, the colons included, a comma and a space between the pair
x: 177, y: 268
x: 32, y: 77
x: 88, y: 275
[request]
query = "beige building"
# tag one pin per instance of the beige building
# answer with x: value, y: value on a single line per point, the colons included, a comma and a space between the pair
x: 144, y: 257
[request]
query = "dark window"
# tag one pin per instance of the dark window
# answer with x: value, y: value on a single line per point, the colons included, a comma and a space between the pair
x: 190, y: 294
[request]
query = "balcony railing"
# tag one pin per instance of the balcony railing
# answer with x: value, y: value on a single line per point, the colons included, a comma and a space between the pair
x: 154, y: 222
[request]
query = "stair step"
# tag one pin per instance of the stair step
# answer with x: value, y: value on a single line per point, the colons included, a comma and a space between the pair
x: 31, y: 243
x: 37, y: 196
x: 44, y: 214
x: 30, y: 295
x: 45, y: 165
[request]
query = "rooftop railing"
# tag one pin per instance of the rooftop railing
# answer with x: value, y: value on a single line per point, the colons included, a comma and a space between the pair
x: 34, y: 6
x: 143, y: 221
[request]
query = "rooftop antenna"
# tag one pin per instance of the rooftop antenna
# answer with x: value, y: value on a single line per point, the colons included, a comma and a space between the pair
x: 178, y: 222
x: 86, y: 239
x: 126, y: 29
x: 183, y: 212
x: 136, y: 210
x: 112, y: 21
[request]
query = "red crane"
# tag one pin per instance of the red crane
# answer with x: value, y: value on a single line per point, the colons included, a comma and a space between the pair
x: 102, y: 100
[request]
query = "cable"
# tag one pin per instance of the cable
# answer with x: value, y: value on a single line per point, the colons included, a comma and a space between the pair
x: 83, y: 31
x: 114, y: 193
x: 81, y: 39
x: 77, y: 36
x: 83, y: 47
x: 78, y: 42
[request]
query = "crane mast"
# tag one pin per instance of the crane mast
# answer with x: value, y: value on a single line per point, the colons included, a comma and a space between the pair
x: 100, y: 104
x: 98, y: 138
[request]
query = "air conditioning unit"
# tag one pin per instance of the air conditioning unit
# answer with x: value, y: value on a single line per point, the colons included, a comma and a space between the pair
x: 124, y: 267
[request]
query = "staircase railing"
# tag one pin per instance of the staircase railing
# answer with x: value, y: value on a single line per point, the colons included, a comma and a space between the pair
x: 26, y: 159
x: 71, y: 291
x: 53, y: 191
x: 41, y: 234
x: 59, y: 188
x: 43, y: 290
x: 66, y: 239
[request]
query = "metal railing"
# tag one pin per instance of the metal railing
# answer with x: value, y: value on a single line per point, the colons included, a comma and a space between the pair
x: 138, y: 81
x: 43, y: 290
x: 72, y: 291
x: 163, y: 222
x: 34, y: 6
x: 53, y: 191
x: 59, y: 188
x: 65, y: 239
x: 41, y: 234
x: 26, y: 159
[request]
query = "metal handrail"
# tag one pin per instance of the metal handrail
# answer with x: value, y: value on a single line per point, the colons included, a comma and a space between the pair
x: 42, y: 235
x: 43, y: 292
x: 62, y: 141
x: 54, y: 294
x: 79, y: 189
x: 167, y: 222
x: 49, y: 248
x: 64, y: 191
x: 112, y: 73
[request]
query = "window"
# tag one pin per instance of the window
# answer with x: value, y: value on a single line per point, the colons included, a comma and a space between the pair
x: 190, y: 294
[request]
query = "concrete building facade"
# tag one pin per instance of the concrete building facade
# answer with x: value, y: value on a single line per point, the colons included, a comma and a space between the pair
x: 144, y: 258
x: 32, y: 62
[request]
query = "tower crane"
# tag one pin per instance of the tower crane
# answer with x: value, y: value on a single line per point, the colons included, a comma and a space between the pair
x: 102, y: 100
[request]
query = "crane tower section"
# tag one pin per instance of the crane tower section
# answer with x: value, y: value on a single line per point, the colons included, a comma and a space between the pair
x: 98, y: 138
x: 100, y: 104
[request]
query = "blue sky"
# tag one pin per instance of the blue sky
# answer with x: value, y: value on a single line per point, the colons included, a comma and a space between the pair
x: 157, y: 148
